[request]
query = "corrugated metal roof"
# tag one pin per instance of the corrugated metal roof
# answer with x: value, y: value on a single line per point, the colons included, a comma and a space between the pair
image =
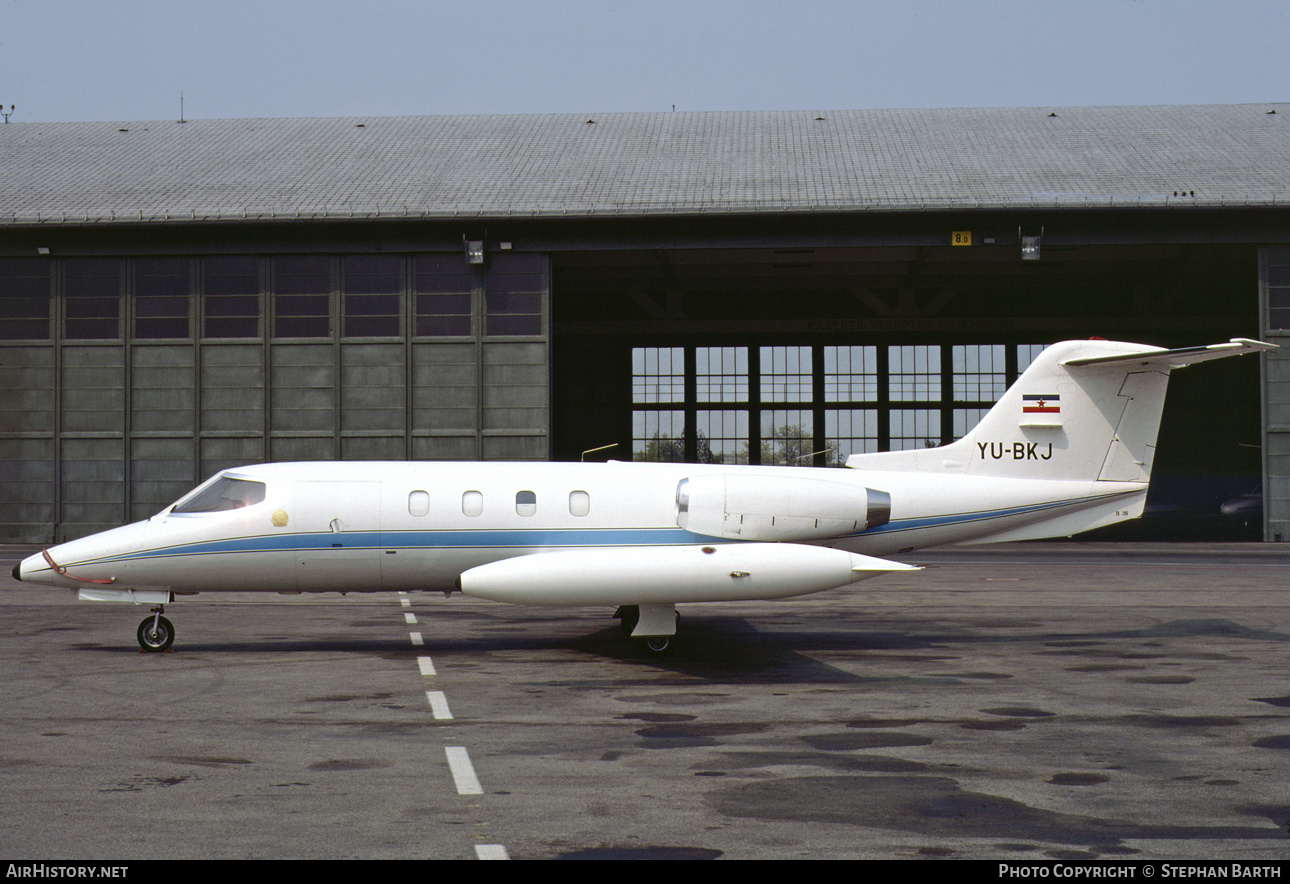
x: 545, y: 165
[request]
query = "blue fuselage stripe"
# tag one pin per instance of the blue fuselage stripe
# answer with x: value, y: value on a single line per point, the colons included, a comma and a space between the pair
x: 483, y: 539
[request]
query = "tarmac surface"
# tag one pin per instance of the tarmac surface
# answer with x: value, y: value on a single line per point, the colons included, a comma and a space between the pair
x: 1033, y: 701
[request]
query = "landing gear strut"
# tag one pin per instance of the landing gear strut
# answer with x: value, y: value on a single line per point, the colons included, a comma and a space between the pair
x: 658, y: 628
x: 156, y: 633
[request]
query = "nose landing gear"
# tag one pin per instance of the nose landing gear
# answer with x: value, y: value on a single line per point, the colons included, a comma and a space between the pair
x: 156, y: 633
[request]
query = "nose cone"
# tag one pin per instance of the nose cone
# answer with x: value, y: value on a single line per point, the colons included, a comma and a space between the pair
x: 34, y: 569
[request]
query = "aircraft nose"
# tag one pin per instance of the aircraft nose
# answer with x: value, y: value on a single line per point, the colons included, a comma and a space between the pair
x: 17, y: 571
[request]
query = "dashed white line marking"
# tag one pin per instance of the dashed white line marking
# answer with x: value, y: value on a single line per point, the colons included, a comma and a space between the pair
x: 438, y: 705
x: 426, y: 665
x: 463, y: 773
x: 416, y: 638
x: 491, y: 851
x: 410, y: 618
x: 407, y: 603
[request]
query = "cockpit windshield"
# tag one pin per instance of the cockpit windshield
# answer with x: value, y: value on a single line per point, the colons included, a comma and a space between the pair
x: 225, y: 494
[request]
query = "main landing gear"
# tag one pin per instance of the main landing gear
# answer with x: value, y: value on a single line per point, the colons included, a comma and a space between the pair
x: 654, y: 625
x: 156, y: 633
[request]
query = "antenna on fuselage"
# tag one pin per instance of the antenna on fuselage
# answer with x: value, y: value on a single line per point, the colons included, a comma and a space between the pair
x: 594, y: 450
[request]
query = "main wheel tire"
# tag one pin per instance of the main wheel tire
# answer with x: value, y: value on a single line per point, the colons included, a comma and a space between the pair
x: 156, y: 634
x: 658, y: 643
x: 628, y: 617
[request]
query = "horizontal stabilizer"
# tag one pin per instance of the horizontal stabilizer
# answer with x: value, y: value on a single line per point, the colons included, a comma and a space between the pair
x: 1161, y: 358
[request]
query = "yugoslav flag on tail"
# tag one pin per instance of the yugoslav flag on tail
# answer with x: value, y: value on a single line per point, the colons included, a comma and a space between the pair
x: 1033, y: 403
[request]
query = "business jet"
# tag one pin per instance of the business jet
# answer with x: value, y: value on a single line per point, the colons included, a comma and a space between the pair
x: 1068, y: 448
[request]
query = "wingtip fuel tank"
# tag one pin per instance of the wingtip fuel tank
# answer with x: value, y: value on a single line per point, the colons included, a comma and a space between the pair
x: 640, y: 576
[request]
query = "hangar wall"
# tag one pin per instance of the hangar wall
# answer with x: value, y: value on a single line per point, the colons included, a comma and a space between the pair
x: 1274, y: 316
x: 125, y: 381
x: 127, y: 377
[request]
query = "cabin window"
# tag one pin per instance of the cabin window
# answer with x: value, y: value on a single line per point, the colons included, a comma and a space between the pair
x: 579, y: 503
x: 419, y: 503
x: 472, y: 503
x: 525, y: 503
x: 225, y: 494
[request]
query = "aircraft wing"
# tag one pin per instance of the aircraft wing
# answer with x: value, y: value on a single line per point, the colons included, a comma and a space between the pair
x: 1176, y: 358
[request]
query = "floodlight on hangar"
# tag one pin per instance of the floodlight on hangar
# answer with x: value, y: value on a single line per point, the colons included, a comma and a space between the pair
x: 1030, y: 245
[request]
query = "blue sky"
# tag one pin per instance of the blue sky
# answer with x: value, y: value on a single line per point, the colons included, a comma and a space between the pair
x: 129, y: 60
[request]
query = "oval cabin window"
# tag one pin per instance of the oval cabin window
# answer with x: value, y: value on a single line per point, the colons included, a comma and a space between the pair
x: 419, y: 503
x: 472, y: 503
x: 579, y: 503
x: 526, y: 503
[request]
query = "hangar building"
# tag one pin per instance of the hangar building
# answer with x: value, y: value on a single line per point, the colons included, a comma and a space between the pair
x: 789, y: 287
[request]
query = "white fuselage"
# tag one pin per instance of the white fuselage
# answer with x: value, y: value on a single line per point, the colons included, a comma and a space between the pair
x: 354, y: 527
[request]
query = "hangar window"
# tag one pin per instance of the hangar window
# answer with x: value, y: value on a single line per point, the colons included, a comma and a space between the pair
x: 93, y: 298
x: 966, y: 419
x: 658, y: 375
x: 1278, y: 286
x: 848, y: 432
x: 513, y: 294
x: 443, y: 287
x: 161, y: 298
x: 850, y: 374
x: 788, y: 437
x: 658, y: 436
x: 302, y: 296
x: 722, y: 436
x: 231, y: 297
x: 24, y: 299
x: 418, y: 503
x: 579, y: 503
x: 224, y: 494
x: 811, y: 405
x: 786, y: 374
x: 472, y: 503
x: 914, y: 373
x: 980, y: 372
x: 914, y: 428
x: 721, y: 374
x: 1028, y: 353
x: 372, y: 286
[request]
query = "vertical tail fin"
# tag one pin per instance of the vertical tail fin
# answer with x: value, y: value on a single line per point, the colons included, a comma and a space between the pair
x: 1085, y: 410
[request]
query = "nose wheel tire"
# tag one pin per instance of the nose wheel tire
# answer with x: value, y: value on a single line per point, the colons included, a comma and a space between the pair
x: 156, y: 634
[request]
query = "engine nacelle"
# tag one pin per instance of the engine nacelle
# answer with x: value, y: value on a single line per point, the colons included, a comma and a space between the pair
x: 777, y: 508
